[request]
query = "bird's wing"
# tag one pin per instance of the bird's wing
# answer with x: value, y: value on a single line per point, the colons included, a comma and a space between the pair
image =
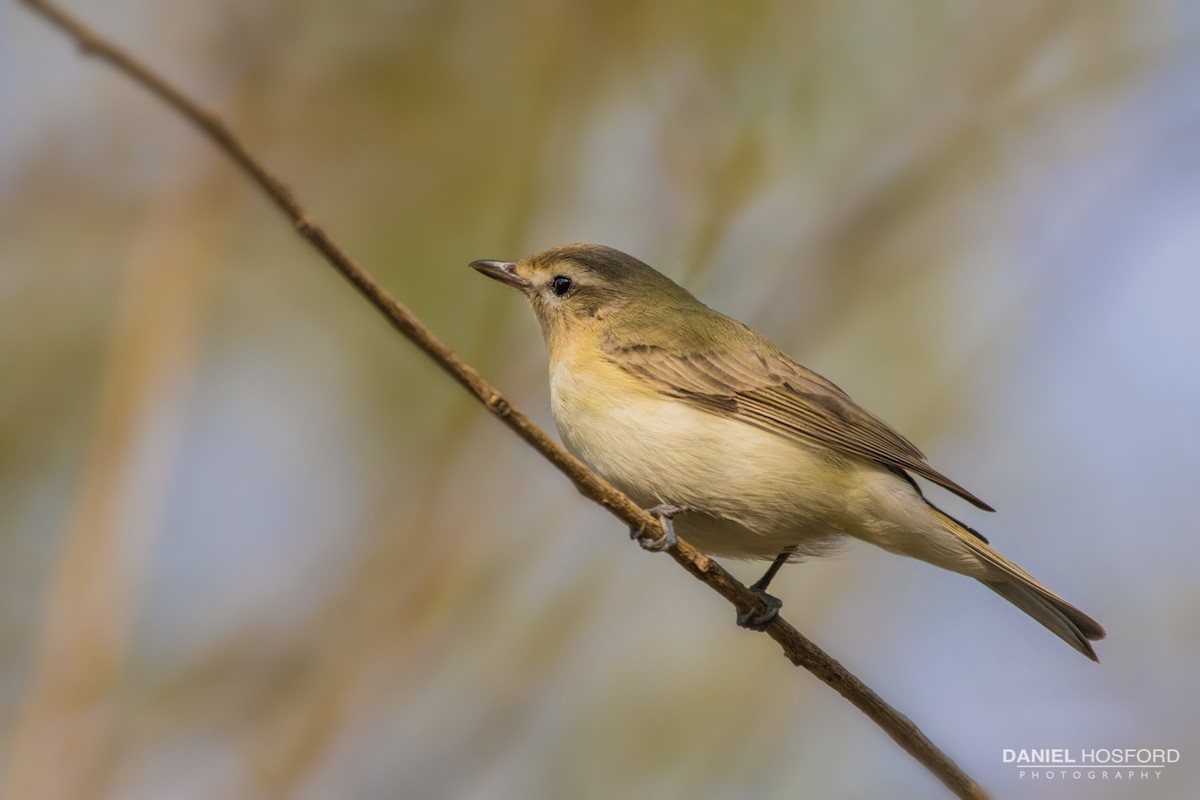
x: 761, y: 386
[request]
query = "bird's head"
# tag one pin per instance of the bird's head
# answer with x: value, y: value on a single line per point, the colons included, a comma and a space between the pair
x: 580, y: 289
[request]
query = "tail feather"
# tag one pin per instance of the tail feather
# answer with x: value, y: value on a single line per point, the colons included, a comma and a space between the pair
x: 1060, y: 617
x: 1031, y: 596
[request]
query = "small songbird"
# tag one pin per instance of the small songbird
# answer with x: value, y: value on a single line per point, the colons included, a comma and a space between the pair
x: 732, y: 443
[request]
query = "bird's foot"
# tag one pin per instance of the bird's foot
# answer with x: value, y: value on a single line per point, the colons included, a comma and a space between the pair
x: 663, y: 513
x: 758, y: 621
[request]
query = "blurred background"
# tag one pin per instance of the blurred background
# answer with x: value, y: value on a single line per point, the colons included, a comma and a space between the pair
x: 254, y: 545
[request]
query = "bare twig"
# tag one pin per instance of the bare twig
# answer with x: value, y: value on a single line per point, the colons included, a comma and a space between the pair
x: 798, y: 649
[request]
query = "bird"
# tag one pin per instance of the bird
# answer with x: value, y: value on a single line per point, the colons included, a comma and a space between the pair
x: 731, y: 443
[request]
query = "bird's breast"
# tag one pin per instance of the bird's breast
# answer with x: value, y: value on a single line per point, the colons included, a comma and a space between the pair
x: 661, y: 449
x: 610, y: 420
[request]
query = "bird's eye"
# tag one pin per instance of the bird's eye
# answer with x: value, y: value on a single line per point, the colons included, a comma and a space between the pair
x: 561, y: 285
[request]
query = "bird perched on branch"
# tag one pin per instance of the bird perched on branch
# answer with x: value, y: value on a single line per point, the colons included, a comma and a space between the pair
x: 726, y: 439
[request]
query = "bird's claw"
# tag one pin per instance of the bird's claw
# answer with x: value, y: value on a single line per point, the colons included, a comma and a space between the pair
x: 758, y: 621
x: 663, y: 513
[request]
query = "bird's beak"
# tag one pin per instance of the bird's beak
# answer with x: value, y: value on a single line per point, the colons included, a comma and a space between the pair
x: 503, y: 271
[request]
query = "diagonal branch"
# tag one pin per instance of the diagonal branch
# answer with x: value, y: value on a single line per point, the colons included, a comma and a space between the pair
x: 798, y: 649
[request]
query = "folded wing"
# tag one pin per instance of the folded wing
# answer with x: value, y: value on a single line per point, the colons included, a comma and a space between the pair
x: 751, y: 380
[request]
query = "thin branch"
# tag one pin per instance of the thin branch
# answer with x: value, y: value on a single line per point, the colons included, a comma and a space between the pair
x: 798, y: 649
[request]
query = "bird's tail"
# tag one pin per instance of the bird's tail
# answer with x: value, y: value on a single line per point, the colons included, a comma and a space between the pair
x: 1027, y: 593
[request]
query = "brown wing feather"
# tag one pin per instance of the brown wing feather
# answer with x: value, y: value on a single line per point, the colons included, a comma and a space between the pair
x: 761, y: 386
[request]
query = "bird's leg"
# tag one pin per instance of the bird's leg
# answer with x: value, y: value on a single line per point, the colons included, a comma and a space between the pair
x: 762, y: 583
x: 663, y: 512
x: 758, y: 622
